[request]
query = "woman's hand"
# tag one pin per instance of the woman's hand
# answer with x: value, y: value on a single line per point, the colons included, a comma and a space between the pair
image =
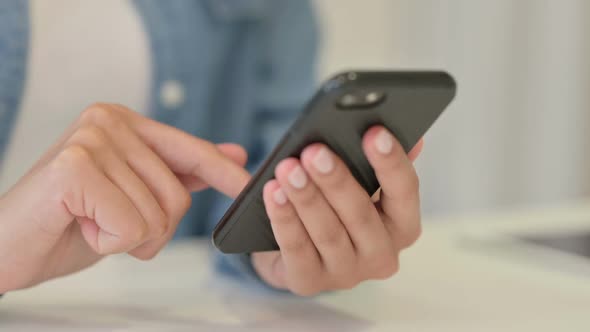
x: 116, y: 182
x: 332, y: 234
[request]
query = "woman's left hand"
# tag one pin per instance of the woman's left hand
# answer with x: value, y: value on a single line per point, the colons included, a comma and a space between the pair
x: 332, y: 234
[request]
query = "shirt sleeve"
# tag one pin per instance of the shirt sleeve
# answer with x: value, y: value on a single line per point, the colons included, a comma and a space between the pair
x: 289, y: 40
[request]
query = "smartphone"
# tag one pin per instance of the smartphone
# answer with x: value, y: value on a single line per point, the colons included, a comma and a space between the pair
x: 405, y: 102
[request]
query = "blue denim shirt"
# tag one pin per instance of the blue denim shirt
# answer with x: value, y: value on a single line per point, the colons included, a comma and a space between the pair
x: 246, y: 67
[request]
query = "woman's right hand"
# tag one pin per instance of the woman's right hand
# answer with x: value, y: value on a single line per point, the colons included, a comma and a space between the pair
x: 115, y: 182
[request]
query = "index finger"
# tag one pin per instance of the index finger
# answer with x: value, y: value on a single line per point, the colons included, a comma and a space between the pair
x: 190, y: 155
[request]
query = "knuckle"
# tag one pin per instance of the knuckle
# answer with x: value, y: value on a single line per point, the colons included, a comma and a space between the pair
x: 141, y: 234
x: 136, y: 234
x: 184, y: 202
x: 74, y: 155
x: 146, y: 254
x: 99, y: 113
x: 178, y: 205
x: 93, y: 132
x: 330, y: 237
x: 385, y: 268
x: 102, y: 251
x: 348, y: 283
x: 366, y: 213
x: 160, y: 227
x: 408, y: 186
x: 146, y: 257
x: 120, y: 108
x: 90, y: 135
x: 296, y: 244
x: 413, y: 184
x: 415, y: 233
x: 164, y: 228
x: 71, y: 161
x: 68, y: 168
x: 109, y: 117
x: 304, y: 291
x: 410, y: 233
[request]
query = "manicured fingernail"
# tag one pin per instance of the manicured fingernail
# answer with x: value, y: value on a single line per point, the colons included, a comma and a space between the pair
x: 297, y: 177
x: 279, y: 196
x: 384, y: 142
x: 323, y: 161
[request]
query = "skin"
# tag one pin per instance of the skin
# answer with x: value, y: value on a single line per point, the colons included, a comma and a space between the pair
x: 118, y: 182
x: 332, y: 235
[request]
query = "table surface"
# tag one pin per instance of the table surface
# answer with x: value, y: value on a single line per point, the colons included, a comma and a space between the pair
x: 464, y: 274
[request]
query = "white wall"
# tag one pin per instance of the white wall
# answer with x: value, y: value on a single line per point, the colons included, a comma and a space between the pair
x: 519, y: 131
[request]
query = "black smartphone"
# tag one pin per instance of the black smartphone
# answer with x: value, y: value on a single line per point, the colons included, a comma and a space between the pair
x: 405, y: 102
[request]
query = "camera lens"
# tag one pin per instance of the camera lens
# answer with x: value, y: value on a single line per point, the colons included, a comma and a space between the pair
x: 373, y: 97
x: 348, y: 100
x: 360, y: 100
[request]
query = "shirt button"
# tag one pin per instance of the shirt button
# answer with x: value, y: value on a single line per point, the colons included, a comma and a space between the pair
x: 172, y: 94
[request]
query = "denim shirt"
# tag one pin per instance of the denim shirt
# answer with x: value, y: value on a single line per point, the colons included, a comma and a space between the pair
x: 245, y: 68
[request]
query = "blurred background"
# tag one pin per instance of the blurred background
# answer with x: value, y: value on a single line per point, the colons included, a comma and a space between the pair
x: 518, y: 132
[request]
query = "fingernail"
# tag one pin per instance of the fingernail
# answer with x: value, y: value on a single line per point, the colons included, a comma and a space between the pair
x: 323, y: 161
x: 384, y: 142
x: 279, y: 196
x: 297, y: 177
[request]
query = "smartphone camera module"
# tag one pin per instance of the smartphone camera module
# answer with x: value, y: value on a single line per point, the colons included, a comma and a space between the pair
x: 360, y: 100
